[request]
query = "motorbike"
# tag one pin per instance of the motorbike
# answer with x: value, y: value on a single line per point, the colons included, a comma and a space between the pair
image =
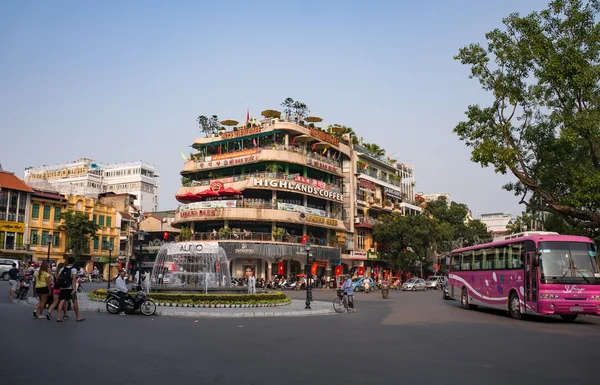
x: 385, y: 291
x: 24, y: 283
x: 138, y: 301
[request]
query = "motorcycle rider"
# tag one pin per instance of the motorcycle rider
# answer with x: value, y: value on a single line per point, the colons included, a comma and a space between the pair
x: 121, y: 291
x: 347, y: 288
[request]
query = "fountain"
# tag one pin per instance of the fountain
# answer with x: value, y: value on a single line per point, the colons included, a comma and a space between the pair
x: 192, y: 267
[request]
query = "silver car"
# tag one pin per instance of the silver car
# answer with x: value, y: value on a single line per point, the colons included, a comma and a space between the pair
x: 414, y: 284
x: 435, y: 282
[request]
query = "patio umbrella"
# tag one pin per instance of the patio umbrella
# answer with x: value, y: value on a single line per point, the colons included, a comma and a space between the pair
x: 271, y: 113
x: 314, y: 119
x: 336, y: 129
x: 187, y: 197
x: 207, y: 193
x: 229, y: 122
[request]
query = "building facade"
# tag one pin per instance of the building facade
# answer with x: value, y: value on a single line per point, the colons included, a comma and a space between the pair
x: 15, y: 201
x: 496, y: 223
x: 45, y: 239
x: 85, y: 177
x: 261, y: 190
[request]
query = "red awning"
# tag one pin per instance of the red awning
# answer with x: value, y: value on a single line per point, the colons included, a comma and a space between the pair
x: 207, y: 194
x: 230, y: 191
x: 187, y: 197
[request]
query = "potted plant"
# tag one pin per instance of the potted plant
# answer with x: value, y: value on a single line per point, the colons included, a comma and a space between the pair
x: 224, y: 232
x: 278, y: 233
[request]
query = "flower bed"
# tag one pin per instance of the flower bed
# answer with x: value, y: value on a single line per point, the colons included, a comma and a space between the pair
x: 208, y: 300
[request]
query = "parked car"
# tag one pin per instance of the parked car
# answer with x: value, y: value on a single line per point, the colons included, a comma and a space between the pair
x: 6, y: 265
x: 358, y: 284
x: 414, y: 284
x: 435, y: 282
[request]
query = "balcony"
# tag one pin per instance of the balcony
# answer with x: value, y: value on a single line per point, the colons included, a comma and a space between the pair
x: 13, y: 246
x: 365, y: 222
x: 262, y: 237
x: 276, y: 152
x: 262, y: 212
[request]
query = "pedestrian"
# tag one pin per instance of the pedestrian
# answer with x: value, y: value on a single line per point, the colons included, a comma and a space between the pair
x: 42, y: 289
x: 251, y: 284
x: 136, y: 281
x: 147, y: 282
x: 121, y: 291
x: 13, y: 276
x: 55, y: 295
x: 67, y: 281
x: 160, y: 278
x: 347, y: 288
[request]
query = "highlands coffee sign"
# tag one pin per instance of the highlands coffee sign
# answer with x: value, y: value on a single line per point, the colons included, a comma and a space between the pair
x: 284, y: 184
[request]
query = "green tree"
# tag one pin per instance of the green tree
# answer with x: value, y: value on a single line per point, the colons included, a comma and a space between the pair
x: 542, y: 72
x: 185, y: 234
x: 77, y: 227
x: 209, y: 125
x: 294, y: 109
x: 346, y: 131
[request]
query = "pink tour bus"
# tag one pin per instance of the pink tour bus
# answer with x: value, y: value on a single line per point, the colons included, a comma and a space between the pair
x: 528, y: 273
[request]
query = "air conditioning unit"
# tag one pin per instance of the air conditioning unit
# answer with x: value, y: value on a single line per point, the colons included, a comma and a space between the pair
x: 371, y: 200
x: 356, y: 220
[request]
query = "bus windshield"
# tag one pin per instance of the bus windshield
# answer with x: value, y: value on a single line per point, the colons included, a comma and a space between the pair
x: 569, y: 262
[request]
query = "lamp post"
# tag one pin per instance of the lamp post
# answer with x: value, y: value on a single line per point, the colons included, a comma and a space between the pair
x: 306, y: 271
x: 141, y: 234
x: 109, y: 247
x: 49, y: 239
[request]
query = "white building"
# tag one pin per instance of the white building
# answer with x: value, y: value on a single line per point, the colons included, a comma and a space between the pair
x: 496, y: 222
x: 87, y: 177
x: 435, y: 196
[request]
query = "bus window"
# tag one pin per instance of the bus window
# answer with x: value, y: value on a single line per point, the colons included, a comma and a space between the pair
x: 499, y: 257
x: 477, y: 259
x: 455, y: 262
x: 488, y: 259
x: 467, y: 260
x: 518, y: 256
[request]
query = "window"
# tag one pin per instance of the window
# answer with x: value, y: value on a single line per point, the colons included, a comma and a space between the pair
x: 104, y: 242
x: 499, y: 257
x: 56, y: 239
x: 45, y: 237
x: 360, y: 239
x: 57, y: 211
x: 34, y: 237
x: 108, y: 221
x: 467, y: 260
x: 488, y: 259
x: 112, y: 243
x: 95, y: 219
x: 455, y: 262
x: 95, y: 243
x: 46, y: 212
x: 101, y: 220
x: 518, y: 256
x: 477, y: 259
x: 35, y: 211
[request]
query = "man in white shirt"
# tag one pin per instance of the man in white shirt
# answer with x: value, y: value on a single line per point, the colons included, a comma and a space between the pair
x: 122, y: 291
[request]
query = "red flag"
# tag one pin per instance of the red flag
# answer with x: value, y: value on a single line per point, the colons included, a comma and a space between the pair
x: 338, y: 271
x: 247, y: 116
x: 304, y: 239
x: 165, y: 236
x: 293, y: 141
x: 254, y: 142
x: 314, y: 146
x: 219, y: 149
x: 280, y: 268
x: 313, y: 269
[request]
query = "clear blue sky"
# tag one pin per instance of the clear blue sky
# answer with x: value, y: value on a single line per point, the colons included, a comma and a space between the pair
x: 125, y: 80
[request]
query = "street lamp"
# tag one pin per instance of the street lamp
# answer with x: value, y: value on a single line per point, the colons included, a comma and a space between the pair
x: 49, y: 239
x: 306, y: 271
x: 141, y: 234
x: 109, y: 247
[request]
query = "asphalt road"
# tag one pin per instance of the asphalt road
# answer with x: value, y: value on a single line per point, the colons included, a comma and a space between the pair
x: 414, y: 338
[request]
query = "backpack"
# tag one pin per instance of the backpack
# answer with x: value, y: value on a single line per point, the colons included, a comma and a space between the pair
x: 64, y: 278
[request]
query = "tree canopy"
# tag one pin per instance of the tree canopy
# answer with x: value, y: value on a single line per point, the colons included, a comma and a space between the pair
x: 542, y: 72
x: 78, y: 228
x: 209, y: 125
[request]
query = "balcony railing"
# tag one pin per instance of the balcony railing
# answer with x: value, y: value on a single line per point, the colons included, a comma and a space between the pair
x: 7, y: 245
x: 261, y: 174
x: 262, y: 237
x: 367, y: 220
x: 282, y: 147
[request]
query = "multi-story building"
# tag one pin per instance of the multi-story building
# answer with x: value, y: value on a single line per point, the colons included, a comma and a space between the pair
x: 44, y: 222
x: 259, y: 191
x: 383, y: 186
x: 496, y: 223
x: 85, y: 177
x: 159, y: 230
x: 15, y: 200
x: 435, y: 196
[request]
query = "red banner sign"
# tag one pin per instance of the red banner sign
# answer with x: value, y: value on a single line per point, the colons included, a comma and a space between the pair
x: 280, y: 268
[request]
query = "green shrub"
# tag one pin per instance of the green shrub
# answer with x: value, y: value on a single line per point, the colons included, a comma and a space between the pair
x: 206, y: 299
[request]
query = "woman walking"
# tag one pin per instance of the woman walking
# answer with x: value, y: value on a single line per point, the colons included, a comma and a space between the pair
x: 55, y: 292
x: 42, y: 288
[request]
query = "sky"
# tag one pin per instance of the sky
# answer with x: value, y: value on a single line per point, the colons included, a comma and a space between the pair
x: 119, y: 81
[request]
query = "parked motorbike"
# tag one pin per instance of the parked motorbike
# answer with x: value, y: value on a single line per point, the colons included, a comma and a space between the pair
x: 138, y: 301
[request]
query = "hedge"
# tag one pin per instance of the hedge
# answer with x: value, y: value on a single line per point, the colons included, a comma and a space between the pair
x: 208, y: 299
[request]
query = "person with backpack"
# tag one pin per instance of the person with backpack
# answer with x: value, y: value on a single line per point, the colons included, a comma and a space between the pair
x: 54, y: 289
x: 67, y: 280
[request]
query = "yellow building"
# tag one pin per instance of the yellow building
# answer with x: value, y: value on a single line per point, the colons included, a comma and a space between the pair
x: 14, y: 203
x: 45, y: 220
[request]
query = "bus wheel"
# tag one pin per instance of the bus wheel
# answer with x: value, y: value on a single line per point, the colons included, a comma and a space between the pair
x: 568, y: 317
x: 464, y: 298
x: 514, y: 307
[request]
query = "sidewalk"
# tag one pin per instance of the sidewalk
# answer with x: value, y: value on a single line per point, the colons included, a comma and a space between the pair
x: 294, y: 309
